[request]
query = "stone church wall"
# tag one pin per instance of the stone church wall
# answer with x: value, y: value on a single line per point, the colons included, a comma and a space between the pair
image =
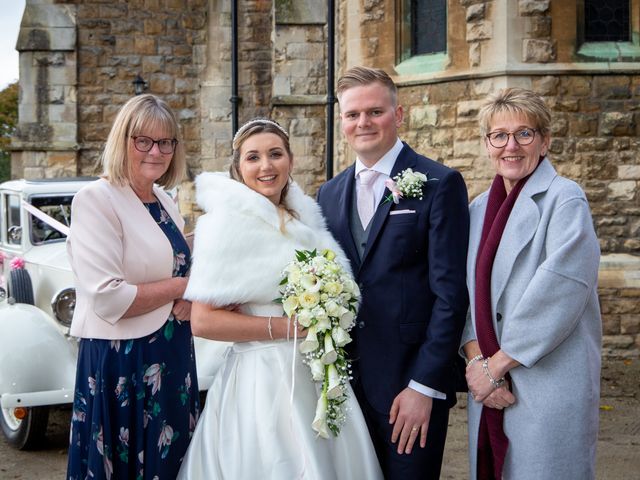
x: 79, y: 58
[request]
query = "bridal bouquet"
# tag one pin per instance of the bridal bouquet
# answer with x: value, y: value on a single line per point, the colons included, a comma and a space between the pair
x: 323, y: 298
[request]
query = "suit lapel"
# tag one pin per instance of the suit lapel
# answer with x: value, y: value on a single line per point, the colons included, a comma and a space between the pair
x: 137, y: 208
x: 406, y: 159
x: 344, y: 214
x: 475, y: 232
x: 521, y: 226
x: 520, y: 229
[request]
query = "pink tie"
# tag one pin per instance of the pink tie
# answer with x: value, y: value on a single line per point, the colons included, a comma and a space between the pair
x: 366, y: 197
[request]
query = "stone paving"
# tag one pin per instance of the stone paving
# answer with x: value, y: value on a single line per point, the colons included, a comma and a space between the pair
x: 618, y: 443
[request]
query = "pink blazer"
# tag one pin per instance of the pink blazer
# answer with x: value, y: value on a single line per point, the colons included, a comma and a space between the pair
x: 115, y: 244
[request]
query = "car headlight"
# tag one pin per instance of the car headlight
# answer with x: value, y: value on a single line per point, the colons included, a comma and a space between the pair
x: 63, y: 304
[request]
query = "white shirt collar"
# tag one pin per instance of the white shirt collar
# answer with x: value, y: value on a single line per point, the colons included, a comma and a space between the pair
x: 385, y: 164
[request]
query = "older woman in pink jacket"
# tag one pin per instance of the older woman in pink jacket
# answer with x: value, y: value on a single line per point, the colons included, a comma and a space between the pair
x: 136, y: 395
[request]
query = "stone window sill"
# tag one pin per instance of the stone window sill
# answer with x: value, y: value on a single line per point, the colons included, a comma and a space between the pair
x: 298, y: 100
x: 609, y: 51
x: 419, y: 64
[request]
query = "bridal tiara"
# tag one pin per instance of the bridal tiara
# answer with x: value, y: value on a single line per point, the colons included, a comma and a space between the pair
x: 257, y: 121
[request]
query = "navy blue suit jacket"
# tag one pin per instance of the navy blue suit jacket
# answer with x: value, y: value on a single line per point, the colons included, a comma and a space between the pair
x: 412, y: 278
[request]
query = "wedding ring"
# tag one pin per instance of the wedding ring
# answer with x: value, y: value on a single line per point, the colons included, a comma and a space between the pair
x: 414, y: 429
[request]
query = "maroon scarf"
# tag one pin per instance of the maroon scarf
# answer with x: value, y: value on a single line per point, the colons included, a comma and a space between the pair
x: 492, y: 442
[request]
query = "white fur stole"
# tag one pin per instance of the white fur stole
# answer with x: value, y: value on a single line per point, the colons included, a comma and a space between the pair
x: 239, y: 250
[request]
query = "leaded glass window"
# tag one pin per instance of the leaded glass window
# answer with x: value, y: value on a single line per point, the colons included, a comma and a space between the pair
x: 429, y: 26
x: 422, y: 27
x: 606, y: 20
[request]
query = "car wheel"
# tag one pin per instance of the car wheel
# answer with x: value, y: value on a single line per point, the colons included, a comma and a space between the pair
x: 24, y: 433
x: 20, y: 287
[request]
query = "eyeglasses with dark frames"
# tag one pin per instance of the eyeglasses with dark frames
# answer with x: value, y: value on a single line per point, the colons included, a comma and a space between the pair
x: 524, y: 136
x: 145, y: 144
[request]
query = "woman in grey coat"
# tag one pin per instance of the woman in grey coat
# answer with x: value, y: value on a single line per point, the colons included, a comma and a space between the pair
x: 532, y: 339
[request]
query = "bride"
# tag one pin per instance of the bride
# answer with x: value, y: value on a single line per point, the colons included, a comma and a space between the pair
x: 252, y: 427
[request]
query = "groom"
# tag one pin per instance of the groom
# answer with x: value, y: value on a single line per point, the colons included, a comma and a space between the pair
x: 409, y: 260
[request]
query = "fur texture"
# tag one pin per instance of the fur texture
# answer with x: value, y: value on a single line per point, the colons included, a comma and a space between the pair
x: 240, y: 251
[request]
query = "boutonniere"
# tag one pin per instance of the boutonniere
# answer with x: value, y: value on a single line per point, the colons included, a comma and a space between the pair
x: 407, y: 184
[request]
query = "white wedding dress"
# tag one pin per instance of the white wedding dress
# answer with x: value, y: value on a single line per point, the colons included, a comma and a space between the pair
x: 251, y: 428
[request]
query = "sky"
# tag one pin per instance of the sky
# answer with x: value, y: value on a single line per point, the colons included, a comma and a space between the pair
x: 10, y: 17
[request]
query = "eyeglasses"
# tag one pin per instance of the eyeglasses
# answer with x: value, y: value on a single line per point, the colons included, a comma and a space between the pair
x: 145, y: 144
x: 522, y: 137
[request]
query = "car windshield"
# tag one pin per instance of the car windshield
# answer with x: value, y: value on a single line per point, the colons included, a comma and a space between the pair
x: 58, y: 208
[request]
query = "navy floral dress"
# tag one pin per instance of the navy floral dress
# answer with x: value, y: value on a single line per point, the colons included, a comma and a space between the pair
x: 136, y: 401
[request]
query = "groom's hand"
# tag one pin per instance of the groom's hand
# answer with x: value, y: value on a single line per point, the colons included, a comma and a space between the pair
x: 410, y: 413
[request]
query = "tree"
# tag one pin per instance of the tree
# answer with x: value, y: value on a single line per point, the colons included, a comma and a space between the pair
x: 8, y: 122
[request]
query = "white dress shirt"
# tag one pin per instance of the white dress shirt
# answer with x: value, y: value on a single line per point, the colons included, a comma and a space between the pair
x: 384, y: 167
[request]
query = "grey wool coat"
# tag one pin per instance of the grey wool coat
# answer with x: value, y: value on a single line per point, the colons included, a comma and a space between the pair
x: 546, y: 314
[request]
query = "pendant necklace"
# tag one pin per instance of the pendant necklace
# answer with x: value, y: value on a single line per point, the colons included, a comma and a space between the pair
x: 148, y: 207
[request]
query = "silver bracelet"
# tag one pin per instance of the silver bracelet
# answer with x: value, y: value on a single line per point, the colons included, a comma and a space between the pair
x: 485, y: 368
x: 269, y: 328
x: 474, y: 360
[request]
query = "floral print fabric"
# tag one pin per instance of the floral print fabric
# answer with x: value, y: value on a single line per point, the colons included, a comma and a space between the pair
x: 136, y: 402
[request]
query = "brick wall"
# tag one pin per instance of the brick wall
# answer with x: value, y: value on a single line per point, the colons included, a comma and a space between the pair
x: 595, y: 140
x: 162, y: 41
x: 619, y: 292
x: 183, y: 50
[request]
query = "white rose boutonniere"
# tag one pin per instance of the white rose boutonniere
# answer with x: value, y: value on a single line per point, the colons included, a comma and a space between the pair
x: 407, y: 184
x: 324, y: 298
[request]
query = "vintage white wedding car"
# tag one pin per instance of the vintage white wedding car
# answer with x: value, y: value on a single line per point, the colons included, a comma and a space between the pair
x: 37, y: 298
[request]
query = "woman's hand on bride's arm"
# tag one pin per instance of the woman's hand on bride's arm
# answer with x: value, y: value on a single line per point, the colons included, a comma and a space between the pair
x: 181, y: 309
x: 282, y: 327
